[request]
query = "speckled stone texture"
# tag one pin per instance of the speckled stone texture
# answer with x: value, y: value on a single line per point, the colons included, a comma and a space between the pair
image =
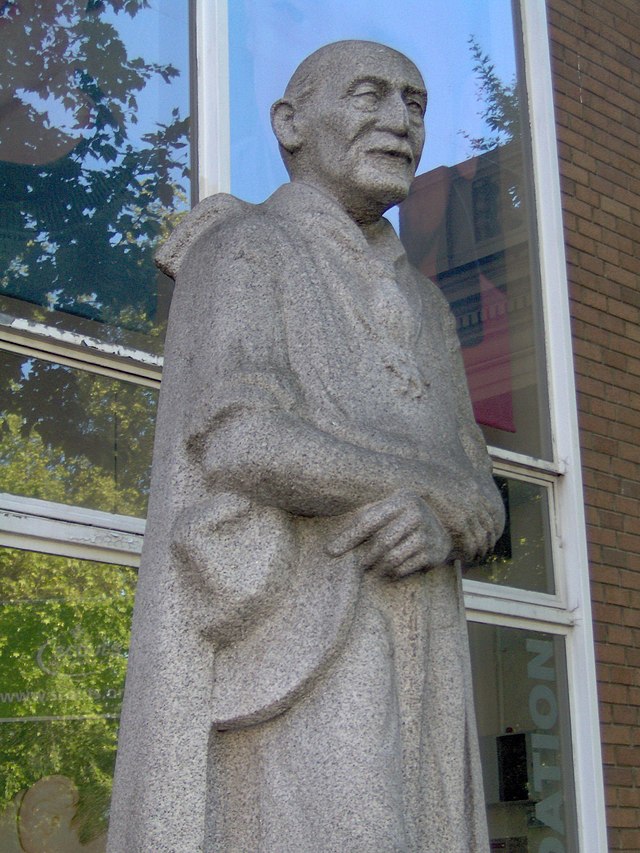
x: 299, y: 674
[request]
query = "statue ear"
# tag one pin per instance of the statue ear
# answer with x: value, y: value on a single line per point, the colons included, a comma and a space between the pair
x: 283, y: 122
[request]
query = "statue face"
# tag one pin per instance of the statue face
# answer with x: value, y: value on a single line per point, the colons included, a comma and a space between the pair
x: 363, y: 129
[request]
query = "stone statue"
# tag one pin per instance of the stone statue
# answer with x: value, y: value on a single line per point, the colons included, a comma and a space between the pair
x: 299, y: 674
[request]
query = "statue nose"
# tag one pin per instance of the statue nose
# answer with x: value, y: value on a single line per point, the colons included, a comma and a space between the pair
x: 396, y: 115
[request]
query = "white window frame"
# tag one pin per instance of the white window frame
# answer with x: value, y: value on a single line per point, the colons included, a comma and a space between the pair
x: 76, y: 532
x: 581, y: 669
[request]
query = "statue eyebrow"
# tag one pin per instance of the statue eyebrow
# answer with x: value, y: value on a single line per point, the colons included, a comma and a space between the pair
x: 415, y: 90
x: 384, y: 83
x: 381, y: 82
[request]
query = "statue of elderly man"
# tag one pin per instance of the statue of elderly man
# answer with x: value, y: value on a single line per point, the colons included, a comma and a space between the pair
x: 299, y: 673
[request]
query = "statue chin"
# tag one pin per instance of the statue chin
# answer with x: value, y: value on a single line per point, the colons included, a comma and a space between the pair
x: 376, y: 190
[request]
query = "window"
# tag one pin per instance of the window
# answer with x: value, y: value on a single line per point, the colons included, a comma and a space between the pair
x: 66, y: 627
x: 469, y: 221
x: 525, y: 741
x: 96, y: 170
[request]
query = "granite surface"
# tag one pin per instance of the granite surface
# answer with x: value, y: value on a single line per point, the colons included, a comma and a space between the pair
x: 299, y: 672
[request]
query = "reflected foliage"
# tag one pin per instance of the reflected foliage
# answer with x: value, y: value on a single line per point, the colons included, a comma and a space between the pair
x: 75, y: 437
x: 521, y: 557
x: 500, y: 103
x: 63, y: 654
x: 501, y: 111
x: 86, y: 194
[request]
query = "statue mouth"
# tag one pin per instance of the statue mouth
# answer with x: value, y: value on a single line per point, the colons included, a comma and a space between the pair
x: 401, y: 155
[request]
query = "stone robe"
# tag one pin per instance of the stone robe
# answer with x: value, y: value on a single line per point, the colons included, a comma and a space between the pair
x: 280, y: 699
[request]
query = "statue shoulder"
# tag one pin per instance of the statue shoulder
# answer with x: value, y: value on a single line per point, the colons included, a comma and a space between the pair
x: 220, y: 224
x: 209, y: 214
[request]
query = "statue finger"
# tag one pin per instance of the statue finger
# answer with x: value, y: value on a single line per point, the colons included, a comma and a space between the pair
x: 427, y: 547
x: 362, y: 526
x: 391, y: 535
x: 416, y: 563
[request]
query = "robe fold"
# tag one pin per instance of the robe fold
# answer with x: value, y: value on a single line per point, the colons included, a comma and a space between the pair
x: 279, y: 699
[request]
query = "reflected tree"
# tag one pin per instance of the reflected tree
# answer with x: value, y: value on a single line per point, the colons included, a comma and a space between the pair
x: 501, y: 110
x: 63, y: 653
x: 74, y: 437
x: 64, y: 623
x: 500, y: 102
x: 86, y: 194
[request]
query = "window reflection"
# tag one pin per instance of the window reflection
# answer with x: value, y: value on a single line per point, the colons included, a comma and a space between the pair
x: 93, y: 158
x: 65, y: 628
x: 75, y: 437
x: 522, y: 709
x: 522, y: 557
x: 468, y: 228
x: 471, y: 228
x: 469, y: 222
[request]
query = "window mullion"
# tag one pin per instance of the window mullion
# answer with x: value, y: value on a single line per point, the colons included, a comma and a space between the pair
x: 52, y: 536
x: 74, y: 350
x: 213, y: 128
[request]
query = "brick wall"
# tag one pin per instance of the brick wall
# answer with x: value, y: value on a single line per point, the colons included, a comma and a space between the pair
x: 596, y: 60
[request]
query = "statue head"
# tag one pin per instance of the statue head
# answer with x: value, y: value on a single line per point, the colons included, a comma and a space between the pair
x: 351, y: 122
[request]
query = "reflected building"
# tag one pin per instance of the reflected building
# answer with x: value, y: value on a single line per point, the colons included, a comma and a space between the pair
x: 469, y: 228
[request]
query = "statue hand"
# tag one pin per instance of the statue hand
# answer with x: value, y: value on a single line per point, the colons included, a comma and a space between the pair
x: 398, y: 535
x: 473, y: 516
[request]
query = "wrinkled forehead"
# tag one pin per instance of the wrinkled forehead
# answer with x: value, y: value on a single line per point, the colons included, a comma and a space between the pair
x: 336, y: 68
x: 377, y: 62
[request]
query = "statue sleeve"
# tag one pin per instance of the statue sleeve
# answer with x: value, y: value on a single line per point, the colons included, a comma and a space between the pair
x: 228, y: 319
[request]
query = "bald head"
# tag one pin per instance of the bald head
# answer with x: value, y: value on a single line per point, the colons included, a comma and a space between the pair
x: 352, y: 122
x: 338, y: 55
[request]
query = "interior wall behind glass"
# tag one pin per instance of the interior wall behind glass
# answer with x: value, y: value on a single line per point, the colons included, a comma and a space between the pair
x: 522, y: 557
x: 469, y: 220
x: 94, y: 161
x: 521, y: 698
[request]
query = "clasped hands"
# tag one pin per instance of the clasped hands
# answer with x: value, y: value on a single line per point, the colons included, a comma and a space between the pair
x: 402, y: 533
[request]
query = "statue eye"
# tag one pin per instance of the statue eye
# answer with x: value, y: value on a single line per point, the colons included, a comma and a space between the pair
x: 366, y: 96
x: 415, y: 106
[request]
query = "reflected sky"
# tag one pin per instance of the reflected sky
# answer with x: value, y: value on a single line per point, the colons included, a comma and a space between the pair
x: 94, y: 158
x: 268, y: 39
x: 159, y: 34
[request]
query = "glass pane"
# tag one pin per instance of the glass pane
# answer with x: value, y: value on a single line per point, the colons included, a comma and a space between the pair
x: 74, y: 437
x: 94, y: 156
x: 522, y: 557
x: 469, y: 220
x: 525, y: 742
x: 64, y: 629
